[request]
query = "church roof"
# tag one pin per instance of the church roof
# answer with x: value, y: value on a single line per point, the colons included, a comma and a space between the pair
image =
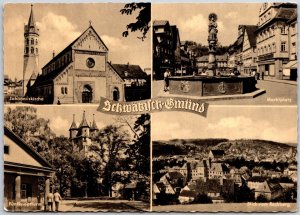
x: 69, y: 47
x: 94, y: 125
x: 83, y: 122
x: 73, y: 125
x: 31, y: 21
x: 133, y: 71
x: 44, y: 79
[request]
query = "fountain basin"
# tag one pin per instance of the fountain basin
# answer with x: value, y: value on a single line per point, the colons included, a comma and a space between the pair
x: 211, y: 86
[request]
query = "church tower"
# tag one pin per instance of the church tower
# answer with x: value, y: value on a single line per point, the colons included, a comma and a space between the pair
x: 31, y: 52
x: 73, y: 129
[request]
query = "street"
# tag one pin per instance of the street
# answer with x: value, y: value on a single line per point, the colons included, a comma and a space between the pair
x: 103, y: 205
x: 277, y: 93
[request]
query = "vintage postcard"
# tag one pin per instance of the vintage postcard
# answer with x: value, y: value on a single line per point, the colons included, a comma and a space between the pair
x: 150, y: 107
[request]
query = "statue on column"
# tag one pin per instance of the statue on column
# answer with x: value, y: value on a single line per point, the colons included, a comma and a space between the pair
x: 212, y: 44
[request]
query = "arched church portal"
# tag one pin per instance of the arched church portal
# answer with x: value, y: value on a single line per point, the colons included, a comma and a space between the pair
x: 116, y: 94
x: 87, y: 94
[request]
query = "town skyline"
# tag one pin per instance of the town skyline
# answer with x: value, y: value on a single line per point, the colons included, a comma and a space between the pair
x: 59, y: 26
x: 193, y: 19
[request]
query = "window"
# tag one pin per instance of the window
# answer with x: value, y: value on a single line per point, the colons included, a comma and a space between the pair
x: 26, y: 191
x: 27, y: 41
x: 66, y: 90
x: 6, y: 149
x: 274, y: 47
x: 282, y: 30
x: 26, y: 50
x: 32, y: 50
x: 283, y: 46
x: 32, y: 41
x: 62, y: 90
x: 36, y: 50
x: 36, y: 41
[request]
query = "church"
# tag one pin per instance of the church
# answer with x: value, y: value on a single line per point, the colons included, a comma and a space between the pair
x: 82, y: 135
x: 80, y: 73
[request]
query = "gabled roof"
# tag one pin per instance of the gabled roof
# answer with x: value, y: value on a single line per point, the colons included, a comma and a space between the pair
x: 250, y: 29
x: 129, y: 71
x: 175, y: 175
x: 160, y: 185
x: 73, y: 125
x: 14, y: 137
x: 69, y: 47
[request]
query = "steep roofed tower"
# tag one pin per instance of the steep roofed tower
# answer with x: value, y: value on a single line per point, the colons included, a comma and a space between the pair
x: 31, y: 51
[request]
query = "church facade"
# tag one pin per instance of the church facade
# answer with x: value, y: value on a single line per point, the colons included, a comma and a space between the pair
x: 81, y: 73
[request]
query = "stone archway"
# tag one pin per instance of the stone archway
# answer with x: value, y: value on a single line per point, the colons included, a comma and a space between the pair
x: 87, y: 94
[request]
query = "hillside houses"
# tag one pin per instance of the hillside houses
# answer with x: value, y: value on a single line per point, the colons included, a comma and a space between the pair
x: 213, y: 180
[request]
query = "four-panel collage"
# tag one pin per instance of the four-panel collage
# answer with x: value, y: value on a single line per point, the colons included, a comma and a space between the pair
x: 122, y: 107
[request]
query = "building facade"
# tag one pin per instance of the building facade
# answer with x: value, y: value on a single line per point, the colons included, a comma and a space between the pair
x: 222, y: 63
x: 249, y: 54
x: 273, y: 37
x: 23, y: 170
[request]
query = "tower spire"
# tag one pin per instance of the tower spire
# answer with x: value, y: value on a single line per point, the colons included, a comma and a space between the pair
x: 94, y: 125
x: 83, y: 122
x: 73, y: 125
x: 31, y: 21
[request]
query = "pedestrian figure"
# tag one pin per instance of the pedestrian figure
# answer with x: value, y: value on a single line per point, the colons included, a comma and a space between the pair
x: 167, y: 74
x: 262, y: 75
x: 257, y: 76
x: 57, y: 199
x: 50, y: 201
x: 58, y: 101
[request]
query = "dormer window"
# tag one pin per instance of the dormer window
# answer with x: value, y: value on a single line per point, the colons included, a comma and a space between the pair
x: 126, y: 73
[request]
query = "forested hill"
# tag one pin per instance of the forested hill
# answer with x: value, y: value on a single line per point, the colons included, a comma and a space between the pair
x: 194, y: 146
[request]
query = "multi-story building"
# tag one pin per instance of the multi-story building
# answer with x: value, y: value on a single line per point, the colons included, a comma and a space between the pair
x: 272, y: 38
x: 162, y: 33
x: 222, y: 63
x: 249, y: 54
x: 290, y: 68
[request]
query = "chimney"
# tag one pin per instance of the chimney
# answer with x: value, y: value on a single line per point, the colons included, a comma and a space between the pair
x: 53, y: 54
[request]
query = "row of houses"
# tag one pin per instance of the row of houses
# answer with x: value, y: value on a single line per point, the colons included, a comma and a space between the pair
x: 214, y: 179
x: 270, y: 47
x: 169, y: 52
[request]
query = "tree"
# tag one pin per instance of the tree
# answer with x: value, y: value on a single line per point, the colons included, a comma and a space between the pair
x: 143, y: 19
x: 110, y: 143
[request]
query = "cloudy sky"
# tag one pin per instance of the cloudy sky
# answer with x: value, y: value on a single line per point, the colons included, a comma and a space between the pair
x: 192, y: 19
x: 268, y: 123
x: 60, y: 24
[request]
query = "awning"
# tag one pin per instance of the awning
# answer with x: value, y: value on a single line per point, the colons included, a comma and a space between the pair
x: 291, y: 65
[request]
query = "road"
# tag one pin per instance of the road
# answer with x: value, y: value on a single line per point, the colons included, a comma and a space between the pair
x: 103, y: 206
x: 276, y: 94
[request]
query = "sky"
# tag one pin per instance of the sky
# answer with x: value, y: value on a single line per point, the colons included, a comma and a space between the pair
x: 231, y: 122
x: 192, y: 19
x: 61, y: 117
x: 61, y: 24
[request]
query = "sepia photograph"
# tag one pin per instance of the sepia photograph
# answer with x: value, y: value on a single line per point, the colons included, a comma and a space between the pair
x: 76, y: 53
x: 238, y: 159
x: 75, y: 159
x: 226, y: 53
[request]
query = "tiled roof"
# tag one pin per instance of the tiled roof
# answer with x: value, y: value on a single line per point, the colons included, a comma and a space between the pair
x: 285, y: 13
x: 133, y: 71
x: 188, y: 193
x: 42, y: 79
x: 257, y: 179
x: 175, y: 175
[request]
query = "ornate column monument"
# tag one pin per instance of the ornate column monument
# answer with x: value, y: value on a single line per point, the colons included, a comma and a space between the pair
x: 212, y: 44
